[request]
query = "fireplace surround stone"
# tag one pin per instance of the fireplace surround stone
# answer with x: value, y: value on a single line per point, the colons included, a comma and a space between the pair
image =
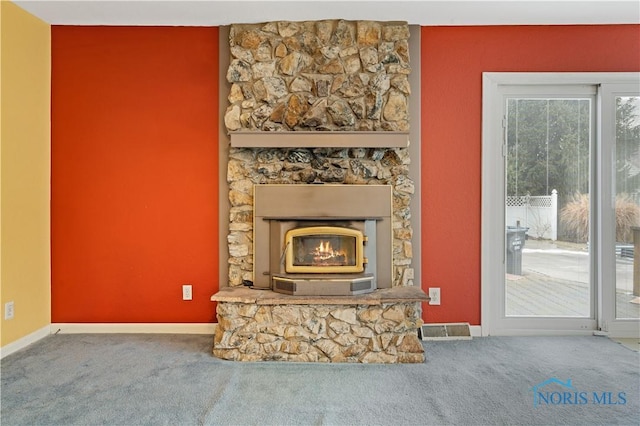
x: 331, y: 75
x: 314, y: 145
x: 258, y: 324
x: 328, y: 88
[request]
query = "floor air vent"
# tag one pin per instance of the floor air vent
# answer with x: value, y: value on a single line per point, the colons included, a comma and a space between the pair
x: 450, y: 331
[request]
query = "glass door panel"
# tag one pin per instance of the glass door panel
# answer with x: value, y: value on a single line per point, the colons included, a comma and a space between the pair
x: 627, y: 207
x: 548, y: 222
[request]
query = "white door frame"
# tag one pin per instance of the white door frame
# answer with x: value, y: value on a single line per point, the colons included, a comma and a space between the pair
x: 608, y: 322
x: 493, y: 219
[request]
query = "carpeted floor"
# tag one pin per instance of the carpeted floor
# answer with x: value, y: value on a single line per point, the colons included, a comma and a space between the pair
x: 124, y: 379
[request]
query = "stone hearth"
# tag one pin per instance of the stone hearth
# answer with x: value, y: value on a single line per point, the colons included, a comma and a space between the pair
x: 261, y: 325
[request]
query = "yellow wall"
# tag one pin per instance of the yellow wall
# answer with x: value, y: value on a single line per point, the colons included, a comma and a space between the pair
x: 25, y: 158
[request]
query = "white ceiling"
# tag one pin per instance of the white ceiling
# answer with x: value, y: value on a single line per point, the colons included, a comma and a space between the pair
x: 429, y: 12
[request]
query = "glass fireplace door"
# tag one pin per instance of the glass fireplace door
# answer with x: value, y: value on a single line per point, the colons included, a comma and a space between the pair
x: 324, y: 249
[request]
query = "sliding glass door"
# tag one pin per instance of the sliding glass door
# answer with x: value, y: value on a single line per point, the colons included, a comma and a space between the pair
x: 549, y: 140
x: 561, y: 186
x: 620, y: 208
x: 627, y: 206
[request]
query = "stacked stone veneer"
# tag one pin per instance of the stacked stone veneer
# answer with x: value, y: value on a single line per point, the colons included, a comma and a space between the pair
x: 319, y: 75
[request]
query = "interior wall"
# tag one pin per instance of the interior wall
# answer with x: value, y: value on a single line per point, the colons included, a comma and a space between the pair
x: 135, y: 151
x: 453, y: 60
x: 25, y: 166
x: 134, y: 173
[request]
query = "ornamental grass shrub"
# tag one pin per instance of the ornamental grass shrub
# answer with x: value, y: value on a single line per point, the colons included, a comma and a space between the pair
x: 575, y: 217
x: 627, y: 215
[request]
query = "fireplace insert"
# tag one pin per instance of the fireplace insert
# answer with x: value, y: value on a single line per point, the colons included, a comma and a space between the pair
x: 322, y: 240
x: 330, y: 257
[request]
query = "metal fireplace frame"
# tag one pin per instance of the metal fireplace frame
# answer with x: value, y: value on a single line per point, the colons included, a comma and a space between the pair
x: 279, y: 208
x: 328, y: 231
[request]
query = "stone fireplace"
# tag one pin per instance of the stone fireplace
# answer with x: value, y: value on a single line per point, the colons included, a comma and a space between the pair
x: 319, y: 155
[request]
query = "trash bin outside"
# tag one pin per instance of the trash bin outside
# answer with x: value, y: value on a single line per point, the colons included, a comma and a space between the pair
x: 516, y: 237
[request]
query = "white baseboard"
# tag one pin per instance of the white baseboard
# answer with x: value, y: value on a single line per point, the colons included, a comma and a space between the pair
x: 476, y: 330
x: 141, y: 328
x: 24, y: 341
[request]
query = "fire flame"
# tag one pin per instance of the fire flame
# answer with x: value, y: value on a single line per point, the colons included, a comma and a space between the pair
x: 325, y: 247
x: 325, y: 252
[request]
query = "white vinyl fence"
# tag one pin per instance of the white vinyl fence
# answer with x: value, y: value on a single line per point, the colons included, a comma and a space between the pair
x: 538, y: 213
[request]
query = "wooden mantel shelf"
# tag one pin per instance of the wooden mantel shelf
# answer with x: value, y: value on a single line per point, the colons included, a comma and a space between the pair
x: 318, y: 139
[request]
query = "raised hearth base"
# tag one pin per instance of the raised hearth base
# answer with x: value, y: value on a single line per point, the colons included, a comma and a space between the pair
x: 261, y: 325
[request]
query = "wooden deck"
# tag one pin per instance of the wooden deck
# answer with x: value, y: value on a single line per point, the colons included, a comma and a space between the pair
x: 535, y: 294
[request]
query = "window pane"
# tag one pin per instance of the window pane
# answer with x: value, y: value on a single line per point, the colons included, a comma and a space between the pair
x: 627, y: 178
x: 548, y: 208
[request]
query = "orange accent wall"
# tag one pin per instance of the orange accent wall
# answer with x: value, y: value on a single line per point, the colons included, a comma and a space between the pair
x: 134, y: 173
x: 452, y: 62
x: 135, y: 167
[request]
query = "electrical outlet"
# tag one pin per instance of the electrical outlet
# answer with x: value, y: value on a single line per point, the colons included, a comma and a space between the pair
x: 8, y: 310
x: 187, y: 293
x: 434, y: 294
